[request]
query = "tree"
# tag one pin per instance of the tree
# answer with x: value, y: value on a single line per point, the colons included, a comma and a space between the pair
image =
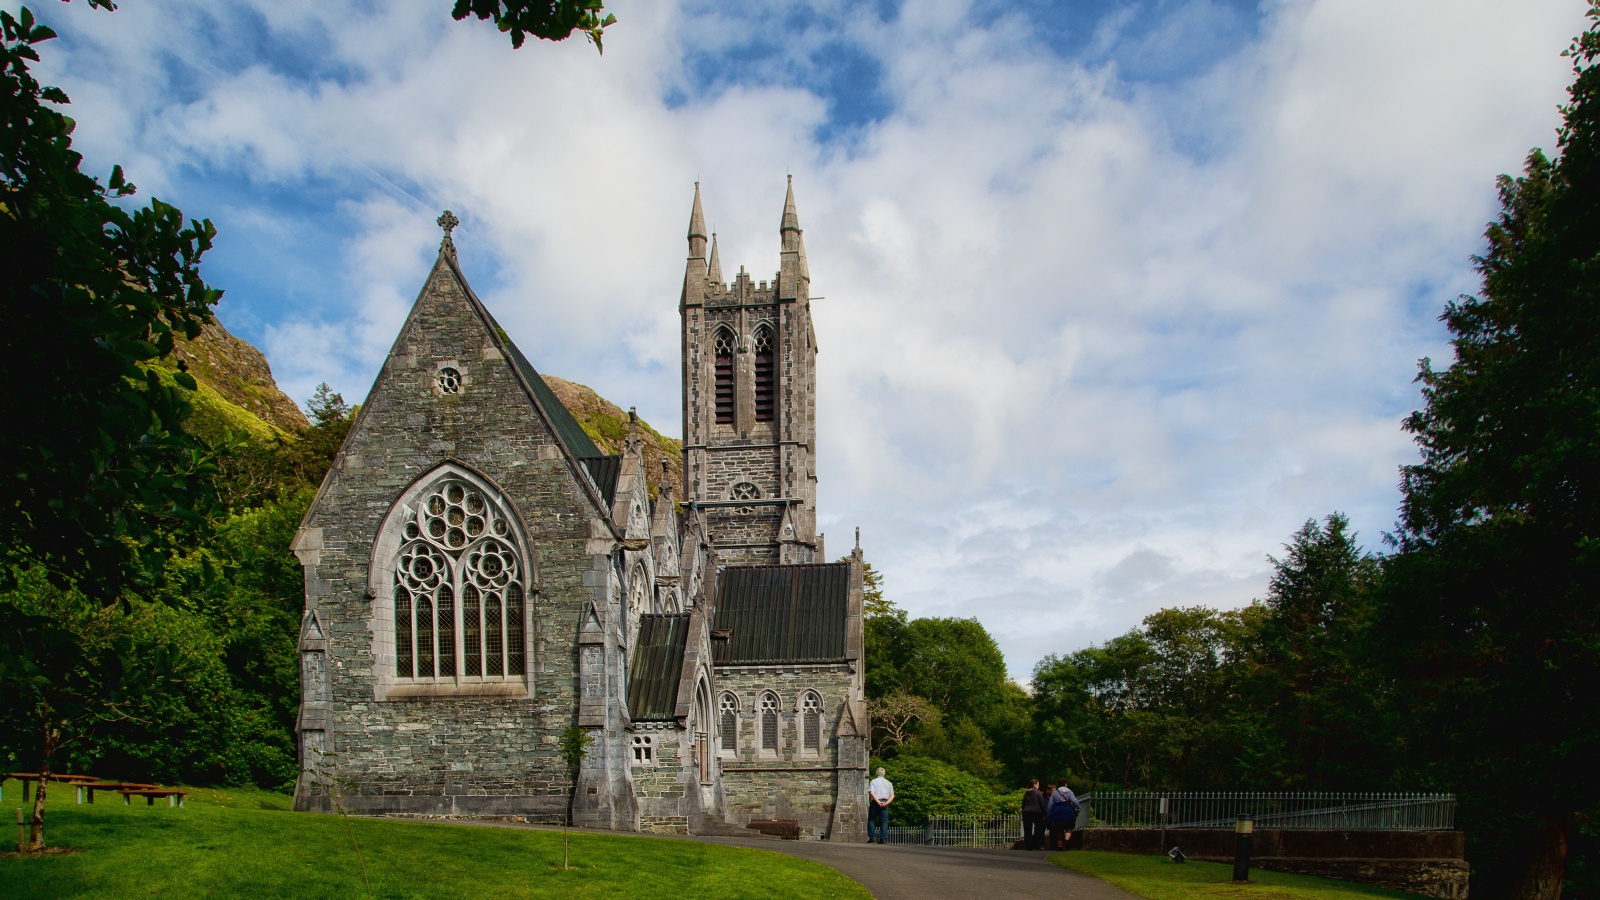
x: 892, y: 717
x: 574, y: 746
x: 1493, y: 599
x: 874, y: 603
x: 550, y: 20
x: 81, y: 664
x: 1310, y: 660
x: 99, y: 481
x: 928, y: 787
x: 1159, y: 707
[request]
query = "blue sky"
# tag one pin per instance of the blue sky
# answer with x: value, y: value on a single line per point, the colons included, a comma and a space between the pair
x: 1117, y: 294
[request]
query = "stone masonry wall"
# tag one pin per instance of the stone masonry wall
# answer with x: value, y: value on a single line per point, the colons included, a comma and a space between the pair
x: 661, y: 787
x: 447, y: 756
x: 789, y: 784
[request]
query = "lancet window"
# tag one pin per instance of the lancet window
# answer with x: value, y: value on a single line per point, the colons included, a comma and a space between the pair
x: 766, y: 375
x: 457, y: 544
x: 729, y: 724
x: 811, y: 722
x: 723, y: 356
x: 769, y: 722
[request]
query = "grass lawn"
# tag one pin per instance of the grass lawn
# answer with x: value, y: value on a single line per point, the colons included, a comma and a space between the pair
x: 243, y: 843
x: 1159, y: 878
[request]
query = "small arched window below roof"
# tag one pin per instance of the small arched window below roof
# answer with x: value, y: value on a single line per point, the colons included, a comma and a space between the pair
x: 729, y: 724
x: 811, y: 722
x: 768, y: 710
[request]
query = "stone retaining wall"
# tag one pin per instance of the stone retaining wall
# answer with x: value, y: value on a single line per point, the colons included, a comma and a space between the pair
x: 1430, y: 863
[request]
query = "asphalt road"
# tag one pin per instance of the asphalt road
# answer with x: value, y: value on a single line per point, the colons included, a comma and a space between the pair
x: 893, y: 872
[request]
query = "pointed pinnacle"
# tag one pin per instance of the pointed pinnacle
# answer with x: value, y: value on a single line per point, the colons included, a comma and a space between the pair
x: 715, y: 273
x: 697, y: 219
x: 791, y: 219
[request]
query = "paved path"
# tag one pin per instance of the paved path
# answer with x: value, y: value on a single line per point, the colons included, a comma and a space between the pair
x: 893, y: 872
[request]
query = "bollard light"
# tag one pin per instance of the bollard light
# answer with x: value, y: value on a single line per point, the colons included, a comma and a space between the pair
x: 1163, y: 824
x: 1242, y: 828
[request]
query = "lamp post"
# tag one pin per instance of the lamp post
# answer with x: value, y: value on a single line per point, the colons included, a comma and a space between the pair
x: 1242, y: 828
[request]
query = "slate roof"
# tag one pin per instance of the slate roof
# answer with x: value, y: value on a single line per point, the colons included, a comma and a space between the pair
x: 572, y: 434
x: 604, y: 470
x: 782, y: 614
x: 657, y: 667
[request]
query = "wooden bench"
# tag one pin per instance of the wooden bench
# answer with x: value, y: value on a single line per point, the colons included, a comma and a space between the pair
x: 174, y: 798
x: 788, y: 829
x: 89, y: 787
x: 28, y: 778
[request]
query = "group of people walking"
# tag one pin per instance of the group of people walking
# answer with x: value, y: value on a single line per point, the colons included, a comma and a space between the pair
x: 1054, y: 809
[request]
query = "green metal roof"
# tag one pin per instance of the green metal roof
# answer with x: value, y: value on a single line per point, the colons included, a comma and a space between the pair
x: 657, y: 667
x: 782, y: 614
x: 604, y: 470
x: 572, y: 434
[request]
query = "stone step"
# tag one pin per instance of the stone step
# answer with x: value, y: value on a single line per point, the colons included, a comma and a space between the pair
x: 719, y: 828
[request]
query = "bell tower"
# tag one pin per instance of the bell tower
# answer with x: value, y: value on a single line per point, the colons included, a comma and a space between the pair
x: 749, y: 400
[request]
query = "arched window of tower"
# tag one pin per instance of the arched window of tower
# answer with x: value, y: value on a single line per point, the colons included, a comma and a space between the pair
x: 766, y: 375
x: 723, y: 346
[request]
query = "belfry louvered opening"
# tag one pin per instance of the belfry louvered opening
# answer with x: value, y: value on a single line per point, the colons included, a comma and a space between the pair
x: 766, y: 375
x: 723, y: 375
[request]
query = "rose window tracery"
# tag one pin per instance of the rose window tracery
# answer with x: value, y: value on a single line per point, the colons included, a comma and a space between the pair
x: 457, y: 543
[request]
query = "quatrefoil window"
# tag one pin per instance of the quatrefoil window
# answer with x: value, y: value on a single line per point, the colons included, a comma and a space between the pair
x: 449, y: 380
x: 744, y: 490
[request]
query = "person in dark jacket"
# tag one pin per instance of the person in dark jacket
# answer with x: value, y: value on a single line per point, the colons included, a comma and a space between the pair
x: 1061, y: 815
x: 1033, y: 804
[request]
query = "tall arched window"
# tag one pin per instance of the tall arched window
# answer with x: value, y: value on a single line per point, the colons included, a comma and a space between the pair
x: 766, y: 375
x: 723, y: 352
x: 456, y: 542
x: 811, y: 722
x: 768, y: 708
x: 729, y: 726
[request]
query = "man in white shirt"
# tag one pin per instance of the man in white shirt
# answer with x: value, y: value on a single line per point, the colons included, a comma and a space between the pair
x: 881, y: 793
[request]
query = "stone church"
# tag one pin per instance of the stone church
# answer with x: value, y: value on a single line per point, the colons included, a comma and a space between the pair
x: 480, y: 577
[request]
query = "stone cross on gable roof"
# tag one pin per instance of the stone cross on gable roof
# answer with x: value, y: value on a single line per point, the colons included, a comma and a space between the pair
x: 448, y: 222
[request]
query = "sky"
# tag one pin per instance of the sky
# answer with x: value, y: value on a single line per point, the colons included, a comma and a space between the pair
x: 1115, y: 295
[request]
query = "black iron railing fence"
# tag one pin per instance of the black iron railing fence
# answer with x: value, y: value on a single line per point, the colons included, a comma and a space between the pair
x: 1353, y: 811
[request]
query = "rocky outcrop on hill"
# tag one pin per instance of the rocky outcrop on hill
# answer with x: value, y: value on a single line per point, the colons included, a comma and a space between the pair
x: 239, y: 372
x: 607, y: 425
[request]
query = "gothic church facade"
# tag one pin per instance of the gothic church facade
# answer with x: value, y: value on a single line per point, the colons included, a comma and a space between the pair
x: 481, y: 578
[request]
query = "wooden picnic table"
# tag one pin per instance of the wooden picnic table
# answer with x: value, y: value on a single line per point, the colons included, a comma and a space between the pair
x: 90, y: 787
x: 150, y: 795
x: 28, y: 778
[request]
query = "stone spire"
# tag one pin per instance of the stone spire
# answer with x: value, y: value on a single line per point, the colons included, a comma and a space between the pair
x: 790, y: 229
x: 793, y: 270
x: 448, y: 222
x: 715, y: 275
x: 697, y: 228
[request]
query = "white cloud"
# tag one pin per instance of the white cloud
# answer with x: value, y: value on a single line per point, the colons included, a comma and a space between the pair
x: 1089, y: 347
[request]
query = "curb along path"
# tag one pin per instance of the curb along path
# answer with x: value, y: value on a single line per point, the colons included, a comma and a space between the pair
x: 893, y: 872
